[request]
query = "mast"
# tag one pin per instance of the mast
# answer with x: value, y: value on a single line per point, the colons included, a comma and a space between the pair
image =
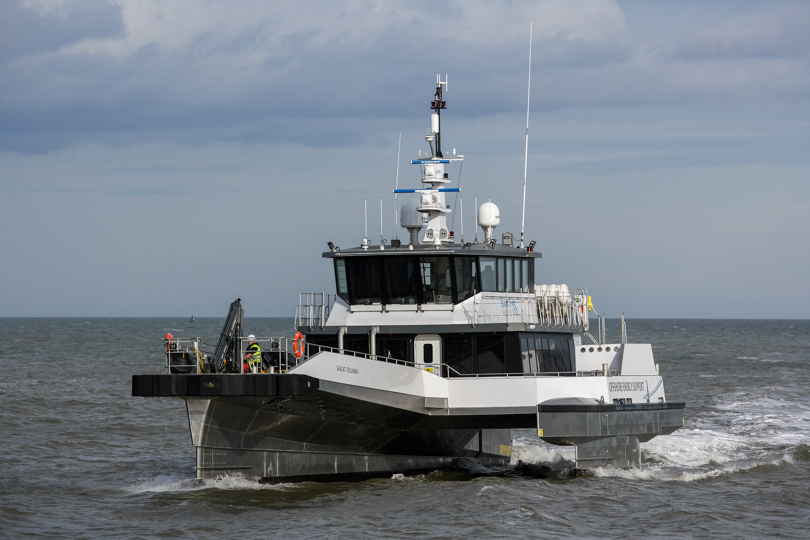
x: 433, y: 201
x: 435, y: 119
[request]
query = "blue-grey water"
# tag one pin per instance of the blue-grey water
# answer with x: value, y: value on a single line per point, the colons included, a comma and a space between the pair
x: 81, y: 458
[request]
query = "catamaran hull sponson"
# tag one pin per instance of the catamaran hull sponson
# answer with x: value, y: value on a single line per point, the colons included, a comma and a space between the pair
x: 295, y: 427
x: 320, y: 436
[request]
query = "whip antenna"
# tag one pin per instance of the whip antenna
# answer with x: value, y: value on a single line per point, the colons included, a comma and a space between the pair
x: 476, y: 219
x: 526, y: 158
x: 396, y: 185
x: 461, y: 200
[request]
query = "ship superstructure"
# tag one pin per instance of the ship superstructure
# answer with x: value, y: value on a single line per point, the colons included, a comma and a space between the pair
x: 427, y: 352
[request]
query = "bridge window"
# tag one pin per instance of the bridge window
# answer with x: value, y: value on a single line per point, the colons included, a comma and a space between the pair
x: 342, y: 280
x: 466, y: 277
x: 437, y: 285
x: 364, y: 276
x: 524, y: 275
x: 506, y: 274
x: 501, y: 274
x: 512, y: 275
x: 401, y: 280
x: 488, y: 273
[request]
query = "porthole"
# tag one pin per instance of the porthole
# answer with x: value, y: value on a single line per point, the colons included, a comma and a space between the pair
x: 582, y: 349
x: 599, y: 349
x: 607, y: 349
x: 590, y: 350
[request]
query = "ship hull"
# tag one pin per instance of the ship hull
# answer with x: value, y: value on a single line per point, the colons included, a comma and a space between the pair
x: 323, y: 436
x: 297, y: 426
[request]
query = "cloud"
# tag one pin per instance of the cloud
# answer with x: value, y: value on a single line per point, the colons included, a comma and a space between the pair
x: 196, y: 72
x: 25, y: 31
x: 765, y: 34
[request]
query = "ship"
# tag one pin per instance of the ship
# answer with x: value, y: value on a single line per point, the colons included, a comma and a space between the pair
x: 429, y: 353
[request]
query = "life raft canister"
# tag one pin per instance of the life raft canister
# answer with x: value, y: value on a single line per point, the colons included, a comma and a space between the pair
x: 298, y: 344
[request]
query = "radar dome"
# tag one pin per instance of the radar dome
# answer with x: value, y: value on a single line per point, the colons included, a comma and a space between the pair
x: 412, y: 219
x: 488, y: 218
x: 409, y: 216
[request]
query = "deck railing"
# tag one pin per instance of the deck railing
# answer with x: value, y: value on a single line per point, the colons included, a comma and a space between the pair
x: 313, y: 309
x: 280, y: 354
x: 547, y: 308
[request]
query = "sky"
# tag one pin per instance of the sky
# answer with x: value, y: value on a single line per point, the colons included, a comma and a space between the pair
x: 164, y: 158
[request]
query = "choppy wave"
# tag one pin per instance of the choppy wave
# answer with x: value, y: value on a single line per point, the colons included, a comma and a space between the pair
x: 178, y: 484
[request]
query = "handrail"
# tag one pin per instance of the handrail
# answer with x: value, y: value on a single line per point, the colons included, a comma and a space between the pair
x: 183, y: 356
x: 313, y: 309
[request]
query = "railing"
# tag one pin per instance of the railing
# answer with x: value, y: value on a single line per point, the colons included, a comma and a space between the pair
x: 546, y: 308
x: 503, y: 307
x: 557, y: 308
x: 184, y: 355
x: 313, y: 309
x: 280, y: 354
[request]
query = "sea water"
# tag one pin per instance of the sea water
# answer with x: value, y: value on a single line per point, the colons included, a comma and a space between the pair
x: 81, y: 458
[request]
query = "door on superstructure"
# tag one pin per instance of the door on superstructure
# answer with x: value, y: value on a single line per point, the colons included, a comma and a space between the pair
x: 427, y: 349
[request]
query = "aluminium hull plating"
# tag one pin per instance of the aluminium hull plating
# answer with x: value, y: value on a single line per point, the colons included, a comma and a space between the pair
x: 293, y: 427
x: 325, y: 436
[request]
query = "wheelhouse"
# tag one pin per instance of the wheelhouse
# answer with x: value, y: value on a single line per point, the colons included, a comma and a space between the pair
x: 428, y: 279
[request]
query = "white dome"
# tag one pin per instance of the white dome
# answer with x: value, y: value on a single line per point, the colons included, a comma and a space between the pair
x: 409, y: 216
x: 488, y: 215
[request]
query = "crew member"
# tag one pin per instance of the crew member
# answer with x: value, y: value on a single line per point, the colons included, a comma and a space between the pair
x: 253, y: 355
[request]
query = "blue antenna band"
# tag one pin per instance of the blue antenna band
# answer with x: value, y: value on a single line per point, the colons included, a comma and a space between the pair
x: 443, y: 190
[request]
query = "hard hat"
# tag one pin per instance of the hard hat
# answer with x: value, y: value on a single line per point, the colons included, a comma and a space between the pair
x: 251, y: 337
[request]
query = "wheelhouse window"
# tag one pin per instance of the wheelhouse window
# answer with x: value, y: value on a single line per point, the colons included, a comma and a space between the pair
x: 364, y: 276
x: 506, y: 274
x: 466, y: 277
x: 341, y: 279
x: 401, y: 274
x: 511, y: 278
x: 437, y: 284
x: 412, y: 280
x: 488, y: 273
x: 524, y: 275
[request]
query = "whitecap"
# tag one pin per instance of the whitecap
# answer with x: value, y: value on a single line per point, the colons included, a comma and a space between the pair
x: 536, y: 451
x: 175, y: 484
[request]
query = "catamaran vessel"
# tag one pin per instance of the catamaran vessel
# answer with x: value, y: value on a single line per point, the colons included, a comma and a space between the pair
x: 427, y: 353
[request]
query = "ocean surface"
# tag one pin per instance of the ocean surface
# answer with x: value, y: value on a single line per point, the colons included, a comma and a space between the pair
x: 81, y: 458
